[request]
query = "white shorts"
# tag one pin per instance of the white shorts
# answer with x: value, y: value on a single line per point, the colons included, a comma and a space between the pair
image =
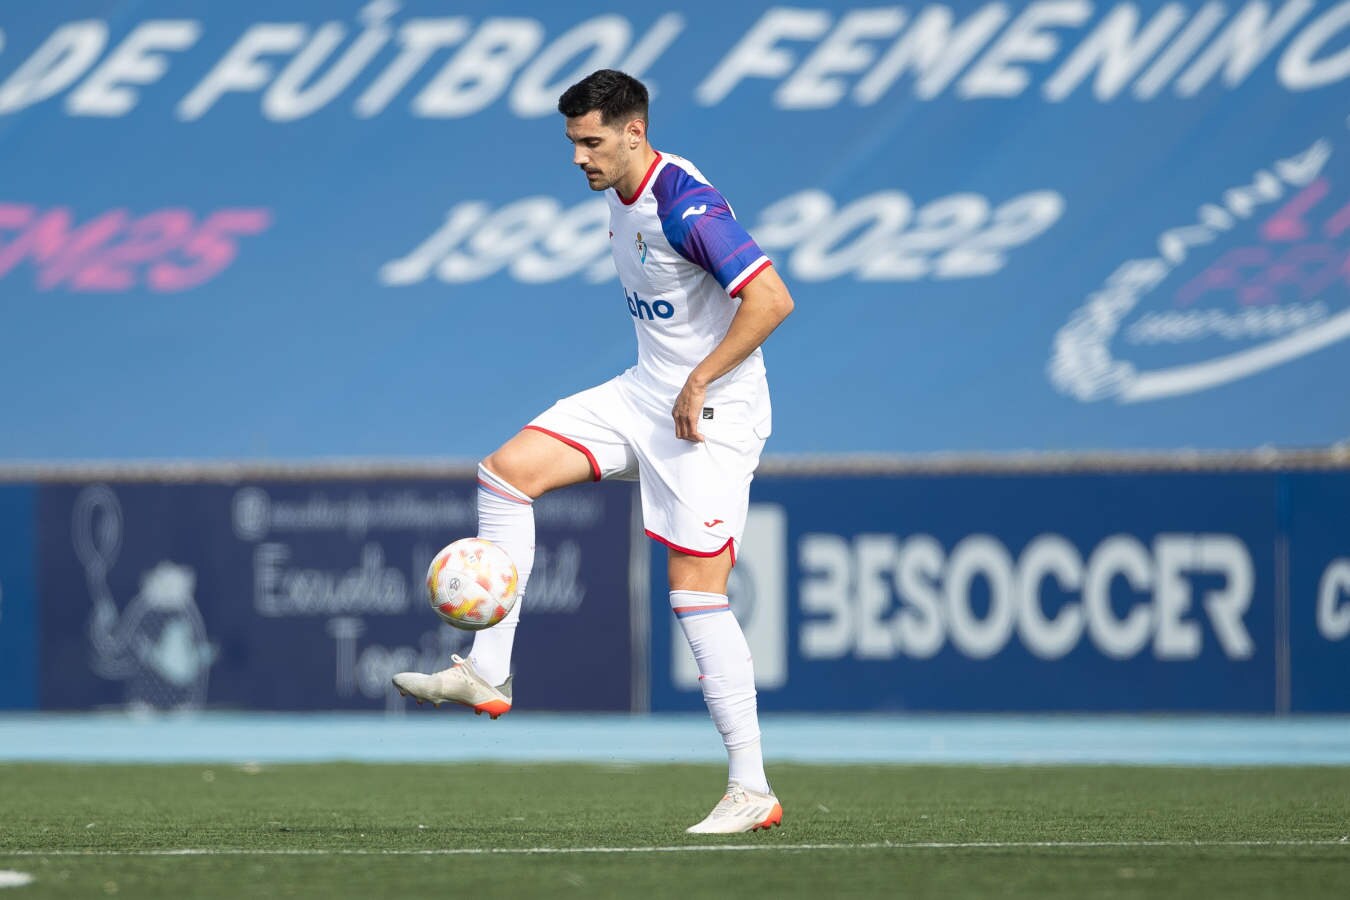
x: 694, y: 495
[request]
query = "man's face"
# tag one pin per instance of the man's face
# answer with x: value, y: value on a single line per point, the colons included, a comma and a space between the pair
x: 603, y: 152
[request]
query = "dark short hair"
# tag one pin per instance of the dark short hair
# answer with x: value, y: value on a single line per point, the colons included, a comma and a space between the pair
x: 618, y: 95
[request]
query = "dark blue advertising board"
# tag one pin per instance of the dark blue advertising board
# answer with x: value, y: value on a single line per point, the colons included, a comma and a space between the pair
x: 1144, y: 592
x: 18, y: 607
x: 1319, y: 590
x: 309, y: 594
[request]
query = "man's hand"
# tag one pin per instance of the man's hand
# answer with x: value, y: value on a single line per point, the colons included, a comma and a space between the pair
x: 765, y: 302
x: 688, y: 408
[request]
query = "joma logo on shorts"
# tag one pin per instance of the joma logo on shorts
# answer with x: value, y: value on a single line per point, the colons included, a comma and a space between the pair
x: 641, y: 309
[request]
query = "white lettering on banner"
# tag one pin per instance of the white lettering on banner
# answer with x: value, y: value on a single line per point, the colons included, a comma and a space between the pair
x: 371, y: 588
x: 479, y: 73
x: 241, y: 69
x: 877, y: 237
x: 1082, y: 365
x: 1333, y: 601
x: 288, y: 98
x: 816, y: 58
x: 55, y: 65
x: 1115, y: 51
x: 1299, y: 68
x: 936, y: 48
x: 842, y: 52
x: 878, y: 596
x: 555, y: 583
x: 758, y: 54
x: 1026, y: 40
x: 1177, y: 327
x: 933, y: 49
x: 603, y: 40
x: 1241, y: 46
x: 418, y: 40
x: 106, y: 91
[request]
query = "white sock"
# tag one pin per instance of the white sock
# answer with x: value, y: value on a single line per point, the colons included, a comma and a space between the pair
x: 505, y: 517
x: 728, y: 679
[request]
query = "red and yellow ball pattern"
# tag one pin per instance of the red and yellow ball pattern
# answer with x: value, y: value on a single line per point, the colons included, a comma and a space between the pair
x: 472, y: 584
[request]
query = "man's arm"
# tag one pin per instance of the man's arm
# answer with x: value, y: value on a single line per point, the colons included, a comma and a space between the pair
x: 765, y: 302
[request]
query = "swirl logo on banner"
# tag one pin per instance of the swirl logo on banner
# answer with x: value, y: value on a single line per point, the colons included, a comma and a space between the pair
x: 1039, y: 224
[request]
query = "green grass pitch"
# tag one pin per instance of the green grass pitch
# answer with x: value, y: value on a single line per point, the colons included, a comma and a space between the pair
x: 470, y: 830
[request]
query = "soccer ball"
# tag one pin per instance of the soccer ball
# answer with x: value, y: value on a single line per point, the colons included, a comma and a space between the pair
x: 472, y: 584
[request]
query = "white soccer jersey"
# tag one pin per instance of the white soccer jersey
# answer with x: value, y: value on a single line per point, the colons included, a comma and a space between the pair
x: 682, y: 259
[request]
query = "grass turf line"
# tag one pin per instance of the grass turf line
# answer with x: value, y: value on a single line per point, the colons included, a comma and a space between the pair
x: 398, y: 808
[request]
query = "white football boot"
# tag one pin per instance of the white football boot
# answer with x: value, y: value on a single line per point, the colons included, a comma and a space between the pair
x: 461, y: 684
x: 741, y: 810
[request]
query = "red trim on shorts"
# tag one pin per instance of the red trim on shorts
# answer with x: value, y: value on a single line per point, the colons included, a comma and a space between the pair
x: 705, y: 554
x: 753, y: 275
x: 595, y: 466
x: 629, y: 201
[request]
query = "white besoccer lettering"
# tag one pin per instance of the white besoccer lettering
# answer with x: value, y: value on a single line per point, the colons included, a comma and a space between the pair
x: 1174, y: 636
x: 106, y: 91
x: 877, y: 597
x: 984, y: 557
x: 919, y: 625
x: 874, y: 557
x: 61, y: 59
x: 828, y: 630
x: 1227, y: 606
x: 1333, y: 601
x: 1049, y: 556
x: 1118, y: 556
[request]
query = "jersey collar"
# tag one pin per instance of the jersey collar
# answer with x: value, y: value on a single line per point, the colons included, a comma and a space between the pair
x: 629, y: 201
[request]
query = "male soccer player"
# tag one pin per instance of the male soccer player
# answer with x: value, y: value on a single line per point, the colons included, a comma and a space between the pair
x: 688, y: 421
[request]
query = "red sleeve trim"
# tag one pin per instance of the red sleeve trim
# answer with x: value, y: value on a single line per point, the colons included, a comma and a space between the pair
x: 753, y: 275
x: 629, y: 201
x: 590, y: 457
x: 706, y: 554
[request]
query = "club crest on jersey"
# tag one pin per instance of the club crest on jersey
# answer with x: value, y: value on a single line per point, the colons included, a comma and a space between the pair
x: 641, y: 249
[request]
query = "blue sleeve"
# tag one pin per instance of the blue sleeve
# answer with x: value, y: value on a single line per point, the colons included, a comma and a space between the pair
x: 699, y: 224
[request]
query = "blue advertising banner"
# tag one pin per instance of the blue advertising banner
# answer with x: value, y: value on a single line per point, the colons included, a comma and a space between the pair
x: 1319, y: 591
x: 18, y: 607
x: 1032, y: 224
x: 1012, y: 593
x: 309, y: 594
